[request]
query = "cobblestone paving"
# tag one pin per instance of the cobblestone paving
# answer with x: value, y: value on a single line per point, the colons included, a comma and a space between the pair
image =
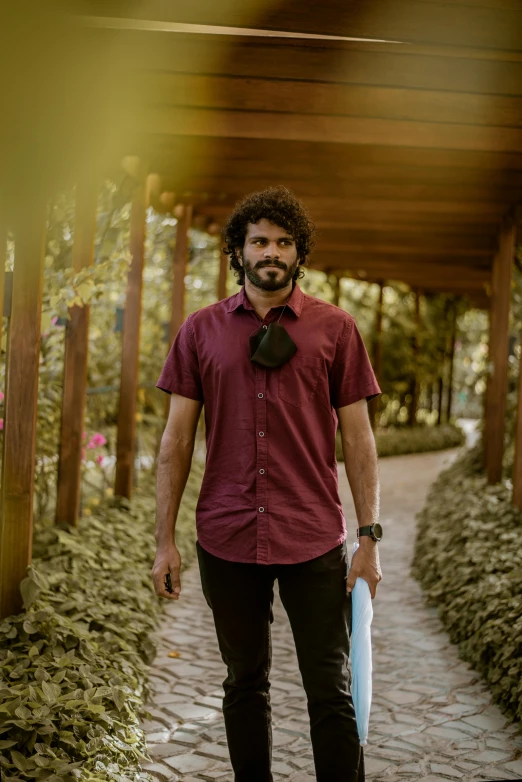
x: 431, y: 718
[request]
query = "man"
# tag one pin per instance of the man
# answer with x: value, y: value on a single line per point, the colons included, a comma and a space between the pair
x: 276, y: 370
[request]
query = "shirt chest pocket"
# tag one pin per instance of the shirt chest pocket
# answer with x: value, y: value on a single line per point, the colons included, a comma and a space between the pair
x: 299, y: 379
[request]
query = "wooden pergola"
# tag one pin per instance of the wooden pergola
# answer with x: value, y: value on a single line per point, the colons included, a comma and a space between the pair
x: 397, y: 123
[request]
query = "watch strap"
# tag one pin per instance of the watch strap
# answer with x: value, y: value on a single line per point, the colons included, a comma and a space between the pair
x: 367, y: 530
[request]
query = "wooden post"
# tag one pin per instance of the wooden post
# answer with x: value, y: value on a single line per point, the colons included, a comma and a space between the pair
x: 336, y: 289
x: 440, y: 387
x: 179, y: 269
x: 3, y: 254
x: 517, y: 463
x: 414, y: 382
x: 377, y: 355
x: 126, y: 439
x: 21, y: 393
x: 453, y: 337
x: 498, y: 353
x: 75, y: 366
x: 224, y: 261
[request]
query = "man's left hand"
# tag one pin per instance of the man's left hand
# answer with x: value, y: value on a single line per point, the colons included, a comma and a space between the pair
x: 365, y: 564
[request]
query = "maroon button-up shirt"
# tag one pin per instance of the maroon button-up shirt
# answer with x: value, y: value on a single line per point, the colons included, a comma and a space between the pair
x: 270, y: 490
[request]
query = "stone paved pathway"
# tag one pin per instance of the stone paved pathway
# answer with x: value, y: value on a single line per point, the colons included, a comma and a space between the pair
x: 431, y: 718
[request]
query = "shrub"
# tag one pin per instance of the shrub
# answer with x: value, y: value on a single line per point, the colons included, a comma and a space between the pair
x: 468, y: 559
x: 73, y: 666
x: 400, y: 440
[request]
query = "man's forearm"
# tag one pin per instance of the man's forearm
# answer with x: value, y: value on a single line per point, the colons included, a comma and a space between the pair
x: 360, y: 462
x: 174, y: 461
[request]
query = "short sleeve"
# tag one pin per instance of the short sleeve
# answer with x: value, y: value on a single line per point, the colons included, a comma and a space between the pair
x: 180, y: 373
x: 352, y: 376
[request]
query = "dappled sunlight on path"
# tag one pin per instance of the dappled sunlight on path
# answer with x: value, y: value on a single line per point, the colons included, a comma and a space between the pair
x: 431, y: 718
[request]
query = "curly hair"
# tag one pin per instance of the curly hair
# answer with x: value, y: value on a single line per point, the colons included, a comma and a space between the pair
x: 280, y: 207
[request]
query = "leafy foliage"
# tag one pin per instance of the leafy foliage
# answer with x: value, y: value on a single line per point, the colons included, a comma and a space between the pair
x: 73, y: 666
x: 400, y: 440
x: 468, y: 559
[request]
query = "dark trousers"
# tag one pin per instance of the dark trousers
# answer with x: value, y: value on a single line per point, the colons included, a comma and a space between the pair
x: 314, y: 596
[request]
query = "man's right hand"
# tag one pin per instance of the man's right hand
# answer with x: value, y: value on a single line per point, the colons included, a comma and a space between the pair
x: 168, y: 560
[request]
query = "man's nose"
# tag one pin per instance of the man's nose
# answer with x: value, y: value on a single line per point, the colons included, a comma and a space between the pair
x: 272, y: 250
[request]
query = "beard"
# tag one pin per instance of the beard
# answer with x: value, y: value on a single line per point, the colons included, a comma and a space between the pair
x: 271, y: 280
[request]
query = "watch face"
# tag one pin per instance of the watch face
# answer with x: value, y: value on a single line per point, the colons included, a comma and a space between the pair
x: 377, y: 530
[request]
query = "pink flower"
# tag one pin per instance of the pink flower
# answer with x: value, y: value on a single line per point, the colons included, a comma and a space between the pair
x: 1, y: 423
x: 1, y: 396
x: 84, y: 435
x: 54, y: 320
x: 96, y: 441
x: 99, y: 458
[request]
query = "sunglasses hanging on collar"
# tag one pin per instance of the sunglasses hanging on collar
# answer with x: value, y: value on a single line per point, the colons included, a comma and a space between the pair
x: 273, y: 346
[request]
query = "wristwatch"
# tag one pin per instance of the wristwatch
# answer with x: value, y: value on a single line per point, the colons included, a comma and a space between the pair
x: 374, y: 531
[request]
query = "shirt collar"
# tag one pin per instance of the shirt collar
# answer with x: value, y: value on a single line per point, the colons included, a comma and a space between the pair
x: 295, y: 301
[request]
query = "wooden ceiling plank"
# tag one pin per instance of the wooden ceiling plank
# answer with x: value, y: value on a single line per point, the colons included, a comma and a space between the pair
x: 348, y: 189
x: 488, y: 71
x: 341, y: 130
x: 355, y: 100
x: 323, y: 152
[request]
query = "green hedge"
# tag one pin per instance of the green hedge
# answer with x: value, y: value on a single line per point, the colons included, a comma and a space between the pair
x: 395, y: 441
x: 73, y: 666
x: 468, y: 559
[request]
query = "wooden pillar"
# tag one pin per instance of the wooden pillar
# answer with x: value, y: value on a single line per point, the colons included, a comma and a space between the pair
x: 440, y: 391
x: 21, y: 393
x: 336, y: 290
x: 414, y: 381
x: 3, y: 254
x: 374, y: 403
x: 126, y: 439
x: 224, y: 261
x: 75, y: 366
x: 498, y: 353
x: 517, y: 463
x: 179, y: 269
x: 453, y: 336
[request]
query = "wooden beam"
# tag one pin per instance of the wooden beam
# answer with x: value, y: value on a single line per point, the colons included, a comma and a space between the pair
x: 446, y: 274
x: 374, y: 248
x: 324, y: 185
x: 182, y: 121
x: 126, y: 439
x: 75, y: 366
x: 498, y: 354
x: 21, y: 394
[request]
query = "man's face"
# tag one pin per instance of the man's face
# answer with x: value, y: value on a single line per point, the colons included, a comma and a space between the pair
x: 269, y: 255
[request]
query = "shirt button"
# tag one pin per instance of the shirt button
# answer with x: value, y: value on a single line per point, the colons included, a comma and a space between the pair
x: 260, y: 396
x: 261, y: 471
x: 261, y: 434
x: 261, y: 510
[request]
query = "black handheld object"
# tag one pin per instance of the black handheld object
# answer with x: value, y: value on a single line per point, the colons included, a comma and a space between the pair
x: 168, y: 584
